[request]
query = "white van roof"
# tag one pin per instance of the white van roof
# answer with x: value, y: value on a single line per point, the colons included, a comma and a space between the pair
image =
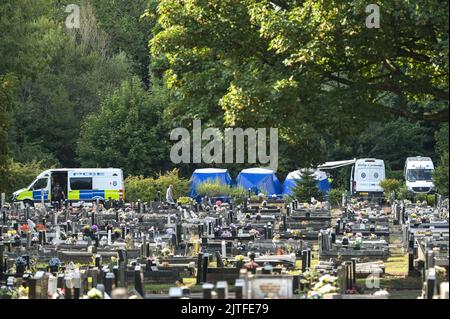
x: 418, y: 159
x: 112, y: 170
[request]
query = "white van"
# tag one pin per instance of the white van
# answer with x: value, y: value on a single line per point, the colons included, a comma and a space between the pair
x: 365, y: 177
x: 79, y: 184
x: 419, y: 175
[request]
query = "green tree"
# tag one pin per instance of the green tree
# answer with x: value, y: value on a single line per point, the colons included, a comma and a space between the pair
x: 306, y: 188
x: 128, y: 30
x: 6, y: 105
x: 310, y: 68
x: 126, y: 132
x: 441, y: 174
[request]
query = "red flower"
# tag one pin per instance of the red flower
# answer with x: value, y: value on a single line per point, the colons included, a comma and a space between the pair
x: 40, y: 227
x: 25, y: 228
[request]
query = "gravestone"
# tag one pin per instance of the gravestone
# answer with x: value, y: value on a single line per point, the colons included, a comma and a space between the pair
x: 207, y: 290
x: 139, y: 280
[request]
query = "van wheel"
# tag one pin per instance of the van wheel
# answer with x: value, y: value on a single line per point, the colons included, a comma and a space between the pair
x: 28, y: 203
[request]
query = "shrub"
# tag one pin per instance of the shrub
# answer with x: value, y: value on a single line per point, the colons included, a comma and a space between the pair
x: 213, y: 189
x: 420, y: 197
x: 391, y: 187
x: 306, y: 188
x: 184, y: 200
x: 238, y: 193
x: 402, y: 193
x: 180, y: 185
x: 140, y: 188
x: 431, y: 200
x: 335, y: 197
x: 146, y: 189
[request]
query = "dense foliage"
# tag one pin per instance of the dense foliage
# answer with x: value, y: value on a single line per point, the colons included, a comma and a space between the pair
x: 108, y: 94
x: 306, y: 188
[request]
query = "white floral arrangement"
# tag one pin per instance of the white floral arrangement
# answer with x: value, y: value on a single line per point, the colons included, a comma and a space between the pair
x: 94, y: 293
x: 327, y: 284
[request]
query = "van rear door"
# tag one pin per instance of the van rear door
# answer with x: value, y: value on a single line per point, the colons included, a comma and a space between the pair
x: 368, y: 179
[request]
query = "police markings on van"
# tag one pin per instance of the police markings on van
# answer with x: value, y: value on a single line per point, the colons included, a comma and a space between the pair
x: 78, y: 184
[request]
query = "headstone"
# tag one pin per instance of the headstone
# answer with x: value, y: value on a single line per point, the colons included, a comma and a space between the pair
x: 52, y: 285
x: 224, y: 248
x: 207, y: 289
x: 219, y: 260
x: 68, y: 287
x: 222, y: 290
x: 109, y: 282
x: 76, y: 285
x: 199, y: 268
x: 431, y: 283
x: 205, y: 263
x: 139, y: 280
x: 239, y: 289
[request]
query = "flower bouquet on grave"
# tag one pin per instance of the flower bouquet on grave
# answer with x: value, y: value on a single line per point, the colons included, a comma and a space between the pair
x: 86, y: 230
x: 11, y: 233
x: 54, y: 264
x: 20, y: 292
x: 40, y: 227
x: 24, y: 228
x: 117, y: 232
x: 239, y: 261
x: 21, y: 264
x: 327, y: 284
x: 94, y: 293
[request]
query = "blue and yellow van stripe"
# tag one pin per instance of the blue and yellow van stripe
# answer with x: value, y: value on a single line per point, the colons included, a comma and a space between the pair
x: 75, y: 195
x: 90, y: 194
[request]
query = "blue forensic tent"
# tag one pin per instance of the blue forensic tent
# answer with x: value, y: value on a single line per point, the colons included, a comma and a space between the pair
x: 202, y: 175
x: 259, y: 180
x: 291, y: 181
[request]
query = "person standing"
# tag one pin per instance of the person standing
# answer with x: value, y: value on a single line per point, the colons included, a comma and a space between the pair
x: 169, y: 196
x: 58, y: 195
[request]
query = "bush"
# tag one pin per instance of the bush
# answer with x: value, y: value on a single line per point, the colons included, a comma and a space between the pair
x: 184, y: 200
x: 146, y: 189
x: 180, y: 185
x: 238, y: 193
x: 391, y: 188
x: 431, y: 200
x: 306, y: 188
x: 441, y: 176
x: 213, y: 189
x: 335, y: 197
x: 420, y: 197
x: 402, y: 193
x: 140, y: 188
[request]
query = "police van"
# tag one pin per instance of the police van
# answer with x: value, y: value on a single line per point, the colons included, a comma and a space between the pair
x: 78, y: 184
x: 419, y: 175
x: 365, y: 177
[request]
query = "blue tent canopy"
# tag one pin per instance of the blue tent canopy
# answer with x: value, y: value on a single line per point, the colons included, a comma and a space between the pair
x: 291, y: 181
x: 202, y: 175
x: 259, y: 180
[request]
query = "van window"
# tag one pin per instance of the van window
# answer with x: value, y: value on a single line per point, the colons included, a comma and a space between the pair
x: 420, y: 174
x: 39, y: 184
x: 80, y: 183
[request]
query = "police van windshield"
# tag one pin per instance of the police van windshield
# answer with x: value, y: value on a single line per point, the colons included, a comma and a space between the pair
x: 41, y: 183
x: 419, y: 174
